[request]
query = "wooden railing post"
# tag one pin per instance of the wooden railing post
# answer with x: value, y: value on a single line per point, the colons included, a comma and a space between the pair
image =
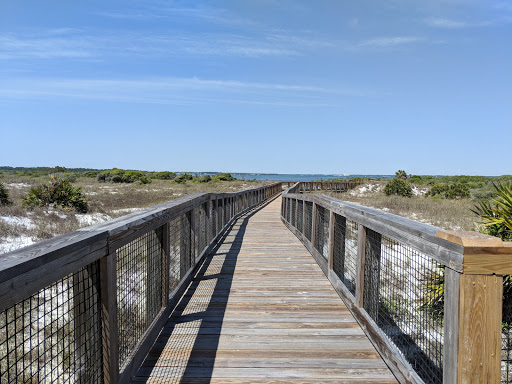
x: 110, y: 333
x: 473, y: 323
x: 361, y: 251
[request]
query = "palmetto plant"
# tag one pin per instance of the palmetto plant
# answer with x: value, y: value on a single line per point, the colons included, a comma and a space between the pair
x: 496, y: 215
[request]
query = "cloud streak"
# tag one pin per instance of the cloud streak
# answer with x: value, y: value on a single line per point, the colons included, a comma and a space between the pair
x: 386, y: 42
x: 74, y: 44
x: 179, y: 91
x: 458, y: 24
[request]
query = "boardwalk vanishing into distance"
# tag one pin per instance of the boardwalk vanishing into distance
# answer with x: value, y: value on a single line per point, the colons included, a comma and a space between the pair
x: 261, y: 310
x: 258, y: 286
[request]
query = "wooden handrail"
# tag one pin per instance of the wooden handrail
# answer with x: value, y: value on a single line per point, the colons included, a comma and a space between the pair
x: 473, y: 263
x: 30, y: 270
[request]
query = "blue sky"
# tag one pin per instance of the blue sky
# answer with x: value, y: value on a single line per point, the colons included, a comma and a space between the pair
x: 324, y: 86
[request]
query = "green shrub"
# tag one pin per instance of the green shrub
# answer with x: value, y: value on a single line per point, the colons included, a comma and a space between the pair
x: 117, y: 175
x: 452, y: 191
x: 180, y: 179
x: 4, y: 195
x: 203, y: 179
x: 90, y: 173
x: 223, y: 177
x: 58, y: 193
x: 415, y: 179
x: 401, y: 174
x: 496, y: 214
x: 398, y: 187
x: 166, y: 175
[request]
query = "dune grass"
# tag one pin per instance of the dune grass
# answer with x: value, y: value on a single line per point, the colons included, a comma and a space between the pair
x: 106, y: 201
x: 437, y: 211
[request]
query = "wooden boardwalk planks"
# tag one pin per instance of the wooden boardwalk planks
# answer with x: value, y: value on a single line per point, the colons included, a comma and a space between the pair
x: 260, y: 310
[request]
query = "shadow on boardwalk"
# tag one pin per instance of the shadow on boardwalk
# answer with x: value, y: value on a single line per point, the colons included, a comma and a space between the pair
x: 194, y: 327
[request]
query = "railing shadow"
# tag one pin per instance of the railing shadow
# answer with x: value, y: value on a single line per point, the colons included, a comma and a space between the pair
x: 187, y: 346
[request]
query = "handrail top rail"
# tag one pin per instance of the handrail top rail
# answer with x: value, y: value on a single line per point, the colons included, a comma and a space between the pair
x: 462, y: 251
x: 106, y: 235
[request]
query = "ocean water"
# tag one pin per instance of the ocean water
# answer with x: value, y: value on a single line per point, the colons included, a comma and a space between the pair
x: 300, y: 177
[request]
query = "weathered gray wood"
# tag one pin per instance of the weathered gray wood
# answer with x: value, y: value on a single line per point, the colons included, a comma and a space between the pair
x: 391, y: 355
x: 419, y: 236
x: 263, y: 299
x: 25, y: 279
x: 451, y: 326
x: 361, y: 251
x: 78, y: 243
x: 110, y: 333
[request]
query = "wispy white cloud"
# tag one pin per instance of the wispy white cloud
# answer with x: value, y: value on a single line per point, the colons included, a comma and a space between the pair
x: 44, y: 48
x: 157, y: 11
x: 385, y: 42
x: 179, y: 91
x: 458, y: 24
x: 71, y: 43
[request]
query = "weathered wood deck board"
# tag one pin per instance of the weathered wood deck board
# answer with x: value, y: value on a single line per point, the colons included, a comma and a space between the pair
x: 260, y: 310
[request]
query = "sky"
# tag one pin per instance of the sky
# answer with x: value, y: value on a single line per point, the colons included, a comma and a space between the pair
x: 291, y: 86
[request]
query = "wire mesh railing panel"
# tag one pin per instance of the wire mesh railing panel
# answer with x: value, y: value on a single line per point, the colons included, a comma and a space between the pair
x: 139, y: 289
x: 175, y: 252
x: 226, y: 211
x: 294, y: 208
x: 220, y: 215
x: 202, y: 229
x: 300, y: 216
x: 214, y: 219
x: 186, y: 244
x: 350, y: 264
x: 54, y: 336
x: 322, y: 231
x: 506, y: 332
x: 288, y: 209
x: 401, y: 294
x: 338, y: 251
x: 308, y: 219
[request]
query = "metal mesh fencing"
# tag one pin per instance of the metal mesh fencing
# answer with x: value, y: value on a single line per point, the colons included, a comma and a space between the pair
x: 202, y: 229
x: 288, y: 210
x: 350, y: 264
x: 400, y: 295
x: 214, y: 219
x: 54, y: 336
x: 300, y: 216
x: 506, y: 332
x: 139, y: 289
x: 294, y: 208
x: 226, y: 211
x: 175, y: 252
x: 308, y: 219
x: 322, y: 231
x: 220, y: 215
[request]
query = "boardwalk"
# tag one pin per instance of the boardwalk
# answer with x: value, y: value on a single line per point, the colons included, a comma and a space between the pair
x: 260, y: 310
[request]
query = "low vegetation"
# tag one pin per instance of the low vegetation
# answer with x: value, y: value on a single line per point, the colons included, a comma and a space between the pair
x: 21, y: 224
x: 496, y: 214
x: 57, y: 193
x: 398, y: 185
x: 117, y: 175
x: 4, y: 195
